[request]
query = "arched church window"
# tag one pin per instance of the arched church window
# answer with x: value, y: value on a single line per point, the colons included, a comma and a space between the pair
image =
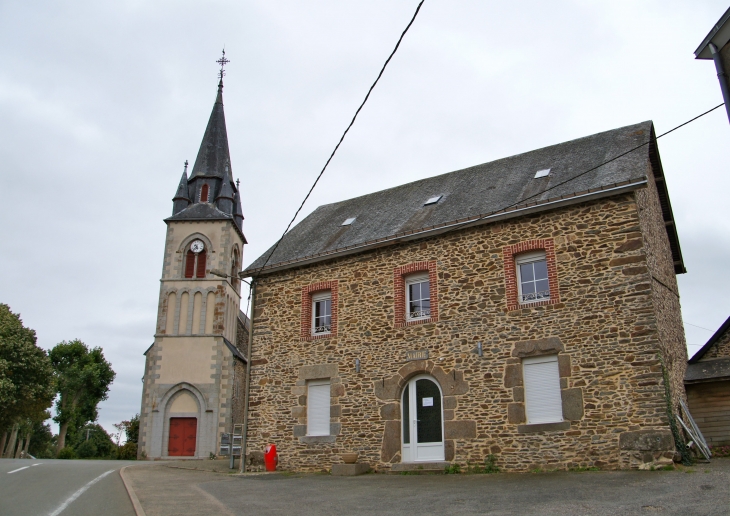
x: 195, y: 264
x: 204, y: 193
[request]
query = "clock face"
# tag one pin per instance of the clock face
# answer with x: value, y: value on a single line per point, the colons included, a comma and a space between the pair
x: 197, y: 246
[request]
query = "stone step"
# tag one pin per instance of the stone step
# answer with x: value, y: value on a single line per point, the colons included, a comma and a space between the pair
x: 420, y: 467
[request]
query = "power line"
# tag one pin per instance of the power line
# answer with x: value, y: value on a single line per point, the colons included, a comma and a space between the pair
x: 344, y: 134
x: 700, y: 327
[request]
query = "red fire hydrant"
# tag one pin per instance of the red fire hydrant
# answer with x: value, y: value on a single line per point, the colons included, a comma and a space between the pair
x: 271, y: 459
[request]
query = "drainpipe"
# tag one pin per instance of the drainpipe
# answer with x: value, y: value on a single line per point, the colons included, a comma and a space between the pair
x: 249, y: 365
x: 722, y: 77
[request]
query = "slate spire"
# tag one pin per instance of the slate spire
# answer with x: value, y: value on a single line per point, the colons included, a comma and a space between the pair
x: 182, y: 197
x: 225, y: 198
x: 213, y: 156
x: 237, y: 210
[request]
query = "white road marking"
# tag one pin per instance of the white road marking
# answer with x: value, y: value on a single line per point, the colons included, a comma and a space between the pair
x: 78, y: 493
x: 19, y: 469
x: 38, y: 464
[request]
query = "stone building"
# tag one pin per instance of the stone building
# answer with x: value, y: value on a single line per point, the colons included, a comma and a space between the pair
x: 525, y: 309
x: 194, y: 370
x: 708, y: 387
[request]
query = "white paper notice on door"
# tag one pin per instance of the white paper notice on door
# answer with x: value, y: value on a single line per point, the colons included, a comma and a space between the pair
x: 428, y: 402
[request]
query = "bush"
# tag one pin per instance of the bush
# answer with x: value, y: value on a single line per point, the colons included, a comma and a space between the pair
x: 128, y: 451
x: 717, y: 451
x: 86, y: 450
x: 66, y: 453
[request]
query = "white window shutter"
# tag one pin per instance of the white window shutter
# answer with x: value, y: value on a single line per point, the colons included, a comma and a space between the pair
x: 318, y: 408
x: 543, y: 400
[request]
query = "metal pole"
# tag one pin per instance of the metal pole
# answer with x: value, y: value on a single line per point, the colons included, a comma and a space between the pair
x: 722, y: 77
x: 249, y: 364
x: 231, y: 461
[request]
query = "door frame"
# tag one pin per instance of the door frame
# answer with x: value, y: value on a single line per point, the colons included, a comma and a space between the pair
x: 412, y: 412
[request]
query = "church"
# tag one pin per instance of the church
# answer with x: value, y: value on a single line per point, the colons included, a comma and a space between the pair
x: 195, y: 369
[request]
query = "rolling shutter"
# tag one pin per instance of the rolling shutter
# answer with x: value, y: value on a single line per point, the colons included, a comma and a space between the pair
x: 318, y: 408
x: 200, y: 273
x: 189, y: 264
x: 543, y: 401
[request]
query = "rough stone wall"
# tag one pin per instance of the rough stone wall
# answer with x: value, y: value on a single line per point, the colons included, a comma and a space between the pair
x: 605, y: 322
x: 665, y: 291
x: 721, y: 348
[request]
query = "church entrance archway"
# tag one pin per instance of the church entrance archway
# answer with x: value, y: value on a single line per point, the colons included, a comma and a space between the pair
x: 423, y: 421
x: 183, y: 435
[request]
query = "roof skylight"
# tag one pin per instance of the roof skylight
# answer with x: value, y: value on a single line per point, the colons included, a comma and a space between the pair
x: 349, y: 221
x: 433, y: 200
x: 542, y: 173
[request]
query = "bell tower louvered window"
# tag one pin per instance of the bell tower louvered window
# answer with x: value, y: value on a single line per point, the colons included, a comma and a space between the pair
x: 204, y: 193
x: 195, y: 264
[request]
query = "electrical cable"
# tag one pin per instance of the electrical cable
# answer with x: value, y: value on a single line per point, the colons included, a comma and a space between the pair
x: 343, y: 135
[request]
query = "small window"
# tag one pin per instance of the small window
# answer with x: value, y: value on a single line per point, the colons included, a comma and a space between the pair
x: 349, y: 221
x: 542, y: 173
x: 204, y: 193
x: 318, y: 407
x: 543, y: 401
x: 532, y: 277
x: 433, y: 200
x: 418, y: 297
x: 322, y: 313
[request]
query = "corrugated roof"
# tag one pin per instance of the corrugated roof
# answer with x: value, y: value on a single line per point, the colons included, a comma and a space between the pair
x: 471, y: 193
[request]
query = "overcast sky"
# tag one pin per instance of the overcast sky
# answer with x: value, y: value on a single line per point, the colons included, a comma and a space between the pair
x: 102, y: 102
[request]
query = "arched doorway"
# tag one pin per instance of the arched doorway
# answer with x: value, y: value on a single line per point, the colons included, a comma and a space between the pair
x: 423, y: 421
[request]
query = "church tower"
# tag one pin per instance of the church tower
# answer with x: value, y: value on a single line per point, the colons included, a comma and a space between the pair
x: 194, y: 369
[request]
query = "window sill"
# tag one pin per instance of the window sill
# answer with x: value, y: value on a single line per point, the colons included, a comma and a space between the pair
x: 543, y: 427
x: 319, y: 336
x: 313, y: 439
x: 532, y: 304
x: 413, y: 322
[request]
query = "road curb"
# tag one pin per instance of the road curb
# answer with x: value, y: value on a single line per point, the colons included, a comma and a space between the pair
x: 132, y: 495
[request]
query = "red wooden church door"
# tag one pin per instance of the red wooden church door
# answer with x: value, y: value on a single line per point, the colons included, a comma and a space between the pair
x: 183, y: 433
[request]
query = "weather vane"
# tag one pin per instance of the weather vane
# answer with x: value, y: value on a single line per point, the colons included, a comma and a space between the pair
x: 223, y: 62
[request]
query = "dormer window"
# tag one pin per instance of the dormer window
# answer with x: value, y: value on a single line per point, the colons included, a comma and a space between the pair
x: 322, y: 313
x: 204, y: 193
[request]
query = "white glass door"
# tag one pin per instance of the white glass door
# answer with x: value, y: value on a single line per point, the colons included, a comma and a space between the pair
x: 422, y: 419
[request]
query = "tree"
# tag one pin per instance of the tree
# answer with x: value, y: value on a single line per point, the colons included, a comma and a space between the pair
x: 26, y: 375
x: 82, y: 377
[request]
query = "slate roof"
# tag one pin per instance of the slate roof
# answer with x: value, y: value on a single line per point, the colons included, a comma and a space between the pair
x: 506, y: 187
x: 709, y: 370
x: 201, y: 211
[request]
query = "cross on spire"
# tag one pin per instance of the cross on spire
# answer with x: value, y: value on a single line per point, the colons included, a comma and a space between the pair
x: 223, y: 62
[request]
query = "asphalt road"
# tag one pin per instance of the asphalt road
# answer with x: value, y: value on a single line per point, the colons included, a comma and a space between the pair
x: 63, y: 487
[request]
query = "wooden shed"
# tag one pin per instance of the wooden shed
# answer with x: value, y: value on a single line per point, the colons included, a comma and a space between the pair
x: 708, y: 387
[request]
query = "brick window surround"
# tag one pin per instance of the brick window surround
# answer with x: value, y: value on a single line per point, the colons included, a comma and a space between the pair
x: 307, y: 293
x: 510, y: 252
x: 399, y: 286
